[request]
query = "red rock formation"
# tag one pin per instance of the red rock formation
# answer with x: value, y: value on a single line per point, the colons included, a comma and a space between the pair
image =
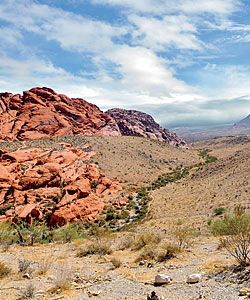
x: 136, y: 123
x: 52, y: 185
x: 40, y: 113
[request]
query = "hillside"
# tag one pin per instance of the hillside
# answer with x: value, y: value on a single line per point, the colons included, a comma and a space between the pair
x: 223, y: 183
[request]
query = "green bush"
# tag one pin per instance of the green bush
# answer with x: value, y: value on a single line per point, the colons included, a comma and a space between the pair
x: 4, y: 209
x: 236, y: 231
x: 69, y: 233
x: 219, y: 211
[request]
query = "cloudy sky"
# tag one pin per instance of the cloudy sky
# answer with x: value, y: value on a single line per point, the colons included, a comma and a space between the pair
x: 186, y: 62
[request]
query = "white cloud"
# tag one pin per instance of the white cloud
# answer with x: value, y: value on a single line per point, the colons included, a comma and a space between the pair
x: 72, y: 31
x: 170, y: 31
x: 144, y: 72
x: 222, y: 7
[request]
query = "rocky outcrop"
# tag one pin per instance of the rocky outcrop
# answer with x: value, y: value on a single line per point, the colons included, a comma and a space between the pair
x: 136, y: 123
x: 41, y: 113
x: 57, y: 186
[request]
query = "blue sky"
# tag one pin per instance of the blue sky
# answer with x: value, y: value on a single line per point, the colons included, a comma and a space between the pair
x: 185, y: 62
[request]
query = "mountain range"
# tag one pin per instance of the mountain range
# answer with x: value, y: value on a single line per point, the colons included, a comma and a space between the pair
x: 241, y: 128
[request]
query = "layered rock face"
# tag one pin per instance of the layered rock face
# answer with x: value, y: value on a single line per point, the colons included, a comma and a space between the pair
x: 136, y: 123
x: 41, y: 113
x: 59, y: 187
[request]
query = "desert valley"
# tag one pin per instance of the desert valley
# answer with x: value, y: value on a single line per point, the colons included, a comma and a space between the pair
x: 114, y: 206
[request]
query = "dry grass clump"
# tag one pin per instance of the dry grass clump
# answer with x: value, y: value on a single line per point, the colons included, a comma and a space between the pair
x: 145, y: 239
x: 44, y: 265
x: 148, y: 252
x: 63, y: 278
x: 4, y: 270
x: 27, y: 293
x: 96, y: 247
x: 160, y: 254
x: 116, y: 263
x: 168, y: 251
x: 126, y: 243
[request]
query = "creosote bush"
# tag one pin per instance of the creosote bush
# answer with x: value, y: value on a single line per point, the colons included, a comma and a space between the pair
x: 144, y: 239
x: 96, y: 247
x: 236, y: 231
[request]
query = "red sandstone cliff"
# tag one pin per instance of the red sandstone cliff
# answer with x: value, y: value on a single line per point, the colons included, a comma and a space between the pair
x: 41, y: 112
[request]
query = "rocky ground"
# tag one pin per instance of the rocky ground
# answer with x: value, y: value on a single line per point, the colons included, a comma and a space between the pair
x: 95, y: 277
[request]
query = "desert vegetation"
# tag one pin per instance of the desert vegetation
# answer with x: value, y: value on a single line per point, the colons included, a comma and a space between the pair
x: 184, y: 217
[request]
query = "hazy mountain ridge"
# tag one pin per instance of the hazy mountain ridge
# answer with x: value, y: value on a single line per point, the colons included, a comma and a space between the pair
x: 241, y: 128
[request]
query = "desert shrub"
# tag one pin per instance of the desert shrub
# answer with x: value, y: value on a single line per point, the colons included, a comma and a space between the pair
x: 4, y: 270
x: 69, y: 233
x: 182, y: 235
x: 24, y: 265
x: 236, y: 231
x: 144, y: 239
x: 116, y: 262
x: 44, y: 265
x: 167, y: 251
x: 6, y: 233
x: 63, y: 278
x: 27, y: 293
x: 126, y: 243
x: 96, y: 247
x: 148, y: 252
x: 3, y: 209
x: 219, y: 211
x: 27, y: 234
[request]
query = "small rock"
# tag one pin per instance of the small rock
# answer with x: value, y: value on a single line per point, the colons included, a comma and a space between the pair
x: 244, y: 291
x: 27, y: 275
x: 52, y: 277
x: 143, y: 262
x: 162, y: 279
x: 194, y: 278
x: 150, y: 265
x: 153, y: 296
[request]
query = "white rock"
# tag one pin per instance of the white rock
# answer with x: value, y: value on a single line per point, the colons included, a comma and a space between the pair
x: 52, y: 277
x: 194, y: 278
x: 27, y: 275
x: 161, y: 279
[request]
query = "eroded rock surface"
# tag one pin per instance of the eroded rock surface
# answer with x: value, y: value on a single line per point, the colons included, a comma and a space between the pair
x: 57, y: 186
x: 136, y: 123
x: 41, y: 113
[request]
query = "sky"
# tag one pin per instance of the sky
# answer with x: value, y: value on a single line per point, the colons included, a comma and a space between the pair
x: 185, y: 62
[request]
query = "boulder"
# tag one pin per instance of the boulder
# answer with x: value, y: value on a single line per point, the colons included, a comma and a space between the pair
x: 194, y: 278
x: 162, y: 279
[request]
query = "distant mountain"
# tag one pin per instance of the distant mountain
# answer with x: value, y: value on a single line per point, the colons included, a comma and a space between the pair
x: 136, y: 123
x: 243, y: 123
x: 241, y: 128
